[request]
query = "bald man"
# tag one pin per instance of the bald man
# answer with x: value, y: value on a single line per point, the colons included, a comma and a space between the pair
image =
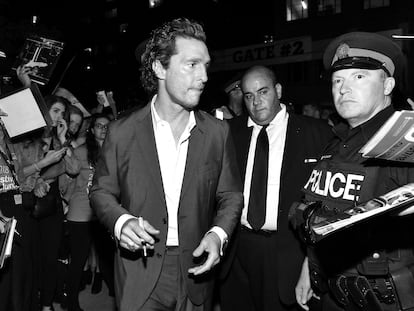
x: 260, y: 277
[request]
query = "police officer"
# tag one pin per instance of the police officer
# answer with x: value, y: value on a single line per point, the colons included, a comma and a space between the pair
x: 235, y: 106
x: 369, y: 266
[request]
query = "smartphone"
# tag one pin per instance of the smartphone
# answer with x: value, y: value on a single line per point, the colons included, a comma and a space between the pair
x: 102, y: 94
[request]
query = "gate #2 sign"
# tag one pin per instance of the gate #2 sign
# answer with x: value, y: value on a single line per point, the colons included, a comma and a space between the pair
x: 278, y: 52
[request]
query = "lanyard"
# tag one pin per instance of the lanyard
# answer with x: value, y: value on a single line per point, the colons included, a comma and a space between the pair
x: 9, y: 162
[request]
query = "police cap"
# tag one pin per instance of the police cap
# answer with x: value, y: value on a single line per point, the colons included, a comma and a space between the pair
x: 233, y: 83
x: 362, y: 50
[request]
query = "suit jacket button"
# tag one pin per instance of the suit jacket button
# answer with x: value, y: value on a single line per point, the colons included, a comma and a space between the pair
x: 164, y: 221
x: 158, y: 255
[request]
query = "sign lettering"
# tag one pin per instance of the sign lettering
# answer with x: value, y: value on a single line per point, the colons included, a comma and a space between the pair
x: 335, y: 184
x: 278, y: 52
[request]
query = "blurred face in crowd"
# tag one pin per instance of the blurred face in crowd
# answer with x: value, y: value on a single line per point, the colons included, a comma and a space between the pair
x: 56, y: 112
x: 261, y: 96
x: 359, y: 94
x: 75, y: 123
x: 311, y: 111
x: 183, y: 81
x: 236, y: 95
x: 100, y: 128
x: 326, y: 113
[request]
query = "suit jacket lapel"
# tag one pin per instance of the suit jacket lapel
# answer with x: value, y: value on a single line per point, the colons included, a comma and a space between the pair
x: 241, y: 136
x: 148, y: 149
x: 292, y: 144
x: 245, y: 145
x: 195, y: 150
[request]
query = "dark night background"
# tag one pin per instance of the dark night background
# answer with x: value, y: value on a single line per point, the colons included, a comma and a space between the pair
x: 92, y: 23
x: 114, y: 28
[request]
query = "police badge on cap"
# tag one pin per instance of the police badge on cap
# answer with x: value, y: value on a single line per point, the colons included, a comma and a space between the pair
x: 342, y: 51
x: 362, y: 50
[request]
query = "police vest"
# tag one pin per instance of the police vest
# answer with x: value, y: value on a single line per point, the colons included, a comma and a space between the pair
x: 340, y: 184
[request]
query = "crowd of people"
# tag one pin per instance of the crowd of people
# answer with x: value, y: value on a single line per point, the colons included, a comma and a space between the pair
x: 46, y: 176
x: 190, y: 210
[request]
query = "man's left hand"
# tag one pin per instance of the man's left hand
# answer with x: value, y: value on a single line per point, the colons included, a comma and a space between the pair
x: 211, y: 245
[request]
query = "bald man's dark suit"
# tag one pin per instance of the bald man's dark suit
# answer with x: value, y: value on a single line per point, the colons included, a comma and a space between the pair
x: 305, y: 139
x: 128, y: 180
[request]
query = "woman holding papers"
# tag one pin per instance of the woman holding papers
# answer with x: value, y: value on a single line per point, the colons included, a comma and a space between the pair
x: 20, y: 164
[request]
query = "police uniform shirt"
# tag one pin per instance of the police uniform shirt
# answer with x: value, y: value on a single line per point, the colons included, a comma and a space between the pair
x: 343, y: 178
x: 343, y: 175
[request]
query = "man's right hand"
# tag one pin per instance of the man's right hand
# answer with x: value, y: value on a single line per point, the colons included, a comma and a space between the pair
x: 133, y: 236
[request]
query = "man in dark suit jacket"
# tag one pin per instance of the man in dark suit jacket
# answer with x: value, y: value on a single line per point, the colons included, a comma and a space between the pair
x: 167, y: 182
x: 268, y: 258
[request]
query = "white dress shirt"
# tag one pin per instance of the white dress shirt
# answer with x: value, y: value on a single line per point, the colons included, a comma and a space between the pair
x: 172, y: 158
x: 276, y: 132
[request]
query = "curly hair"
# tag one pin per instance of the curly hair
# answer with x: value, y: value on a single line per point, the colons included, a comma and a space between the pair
x: 161, y: 46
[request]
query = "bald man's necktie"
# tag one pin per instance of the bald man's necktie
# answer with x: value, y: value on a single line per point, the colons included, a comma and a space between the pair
x: 256, y: 213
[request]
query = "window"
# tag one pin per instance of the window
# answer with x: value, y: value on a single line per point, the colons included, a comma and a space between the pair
x: 296, y: 9
x: 370, y: 4
x: 329, y: 7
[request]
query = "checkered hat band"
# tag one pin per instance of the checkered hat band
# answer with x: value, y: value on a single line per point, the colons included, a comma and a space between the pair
x: 364, y: 53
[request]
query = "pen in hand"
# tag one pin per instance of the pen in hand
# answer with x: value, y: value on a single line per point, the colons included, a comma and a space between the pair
x: 144, y: 246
